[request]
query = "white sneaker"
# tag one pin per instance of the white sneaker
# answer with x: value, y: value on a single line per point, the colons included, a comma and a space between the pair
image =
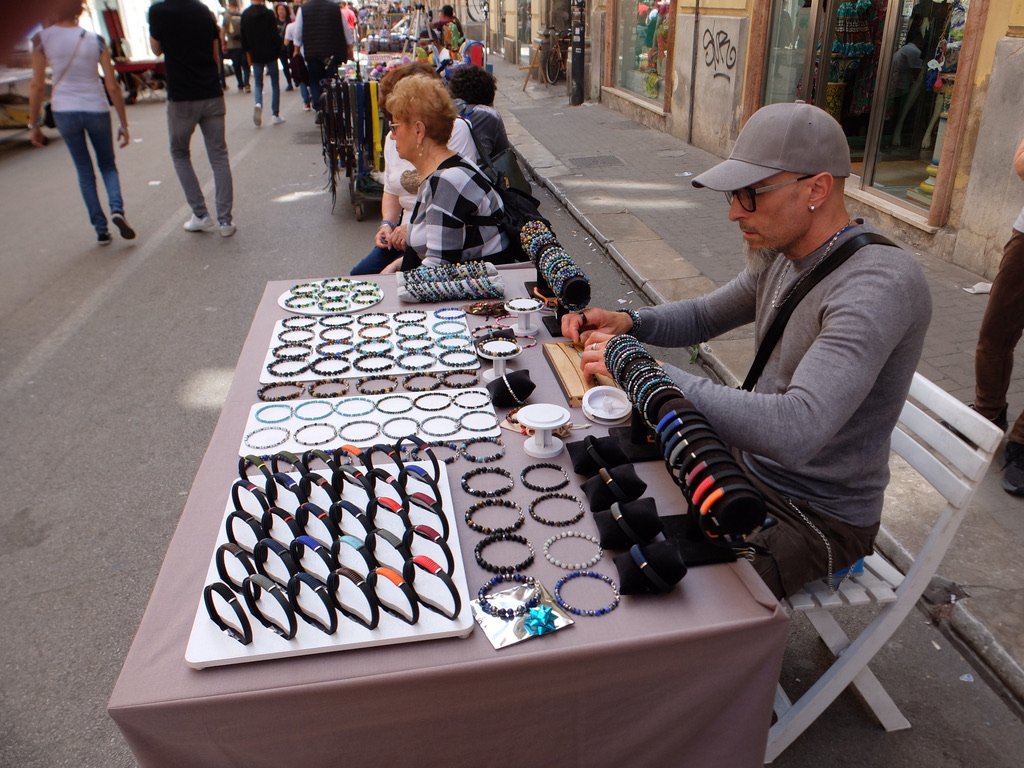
x: 257, y: 115
x: 198, y: 224
x: 278, y: 120
x: 227, y: 230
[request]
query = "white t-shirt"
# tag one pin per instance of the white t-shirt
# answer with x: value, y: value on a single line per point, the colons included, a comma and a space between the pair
x: 461, y: 143
x: 74, y: 56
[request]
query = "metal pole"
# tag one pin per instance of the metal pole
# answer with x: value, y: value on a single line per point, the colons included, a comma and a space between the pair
x: 578, y: 35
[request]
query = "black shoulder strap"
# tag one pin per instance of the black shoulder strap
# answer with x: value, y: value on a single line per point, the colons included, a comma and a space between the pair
x: 841, y: 254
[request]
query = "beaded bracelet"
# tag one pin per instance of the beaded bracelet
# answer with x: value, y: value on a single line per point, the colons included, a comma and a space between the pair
x: 301, y: 411
x: 421, y: 402
x: 499, y: 348
x: 434, y: 382
x: 299, y: 302
x: 291, y: 350
x: 346, y: 414
x: 374, y: 347
x: 328, y: 388
x: 456, y: 380
x: 450, y: 313
x: 273, y: 365
x: 507, y: 614
x: 261, y: 430
x: 478, y: 471
x: 348, y: 438
x: 372, y: 319
x: 488, y: 428
x: 409, y: 317
x: 505, y: 503
x: 421, y: 344
x: 460, y: 400
x: 337, y: 321
x: 405, y: 404
x: 414, y: 454
x: 454, y: 341
x: 382, y: 390
x: 337, y: 335
x: 496, y: 456
x: 333, y: 348
x: 264, y: 409
x: 503, y: 569
x: 296, y: 336
x: 548, y: 497
x: 412, y: 331
x: 405, y: 361
x: 374, y: 333
x: 433, y: 431
x: 586, y: 611
x: 313, y: 443
x: 467, y: 360
x: 264, y: 392
x: 544, y: 488
x: 572, y: 535
x: 303, y: 322
x: 385, y: 362
x: 389, y: 431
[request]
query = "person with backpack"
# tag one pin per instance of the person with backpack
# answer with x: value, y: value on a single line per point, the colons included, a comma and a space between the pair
x: 231, y: 44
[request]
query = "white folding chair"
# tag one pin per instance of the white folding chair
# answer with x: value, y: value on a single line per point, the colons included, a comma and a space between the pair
x: 954, y: 468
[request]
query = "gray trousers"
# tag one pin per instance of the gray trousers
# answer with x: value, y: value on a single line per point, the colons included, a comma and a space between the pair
x: 182, y: 119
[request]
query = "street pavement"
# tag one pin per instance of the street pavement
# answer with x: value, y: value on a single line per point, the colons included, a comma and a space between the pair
x: 114, y: 364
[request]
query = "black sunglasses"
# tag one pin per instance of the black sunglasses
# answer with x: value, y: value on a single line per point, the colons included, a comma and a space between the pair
x: 748, y: 195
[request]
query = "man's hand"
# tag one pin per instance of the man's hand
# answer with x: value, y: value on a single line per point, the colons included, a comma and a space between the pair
x: 578, y: 326
x: 592, y: 358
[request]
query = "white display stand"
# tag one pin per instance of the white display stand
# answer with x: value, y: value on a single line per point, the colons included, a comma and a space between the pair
x: 453, y: 328
x: 340, y: 412
x: 208, y: 646
x: 544, y: 419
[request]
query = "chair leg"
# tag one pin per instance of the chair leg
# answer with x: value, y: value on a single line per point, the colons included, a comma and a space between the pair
x: 865, y: 683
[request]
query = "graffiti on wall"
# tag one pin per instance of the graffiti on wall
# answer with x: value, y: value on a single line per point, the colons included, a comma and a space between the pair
x: 719, y: 52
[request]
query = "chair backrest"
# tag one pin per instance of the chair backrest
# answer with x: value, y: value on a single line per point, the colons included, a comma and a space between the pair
x: 950, y: 464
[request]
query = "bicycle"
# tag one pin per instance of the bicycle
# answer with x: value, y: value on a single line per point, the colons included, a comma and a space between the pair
x: 557, y: 61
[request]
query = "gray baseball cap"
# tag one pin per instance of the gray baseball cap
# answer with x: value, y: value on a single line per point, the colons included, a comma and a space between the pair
x: 795, y: 137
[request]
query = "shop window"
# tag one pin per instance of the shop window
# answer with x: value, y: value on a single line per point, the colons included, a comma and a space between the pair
x: 643, y: 39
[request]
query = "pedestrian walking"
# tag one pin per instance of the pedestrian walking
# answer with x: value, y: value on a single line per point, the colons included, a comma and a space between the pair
x: 1001, y: 329
x: 185, y: 32
x: 80, y: 110
x: 231, y: 44
x: 262, y: 46
x: 323, y: 36
x: 298, y: 65
x: 284, y: 18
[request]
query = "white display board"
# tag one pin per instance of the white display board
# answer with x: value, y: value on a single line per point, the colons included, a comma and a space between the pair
x: 414, y: 346
x: 366, y: 420
x: 208, y: 646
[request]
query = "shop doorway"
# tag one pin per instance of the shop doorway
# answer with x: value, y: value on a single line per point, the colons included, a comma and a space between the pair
x: 888, y: 78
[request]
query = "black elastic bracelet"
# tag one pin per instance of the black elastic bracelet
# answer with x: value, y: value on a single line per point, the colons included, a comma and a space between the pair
x: 244, y: 633
x: 295, y: 584
x: 548, y: 496
x: 544, y: 488
x: 286, y: 461
x: 500, y: 491
x: 429, y: 566
x: 262, y: 551
x: 626, y: 528
x: 365, y: 587
x: 243, y: 557
x: 506, y: 503
x: 645, y: 568
x: 426, y: 533
x: 249, y: 460
x: 613, y: 487
x: 298, y: 549
x: 393, y: 576
x: 252, y: 524
x: 252, y: 588
x: 503, y: 569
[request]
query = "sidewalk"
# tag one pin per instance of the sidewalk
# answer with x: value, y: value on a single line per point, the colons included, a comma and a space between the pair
x: 629, y: 186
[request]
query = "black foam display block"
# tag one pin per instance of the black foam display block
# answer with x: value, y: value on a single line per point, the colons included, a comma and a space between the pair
x: 645, y: 451
x: 695, y: 549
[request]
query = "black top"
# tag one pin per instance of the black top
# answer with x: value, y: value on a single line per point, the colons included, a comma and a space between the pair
x: 322, y: 32
x: 187, y: 32
x: 259, y: 34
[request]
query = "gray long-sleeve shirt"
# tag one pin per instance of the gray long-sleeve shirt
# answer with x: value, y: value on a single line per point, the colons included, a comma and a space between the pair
x: 818, y: 423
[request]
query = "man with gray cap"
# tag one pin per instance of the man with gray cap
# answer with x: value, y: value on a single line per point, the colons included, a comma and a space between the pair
x: 813, y: 432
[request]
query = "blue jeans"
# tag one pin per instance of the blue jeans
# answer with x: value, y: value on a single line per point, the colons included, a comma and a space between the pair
x: 182, y: 119
x: 375, y: 261
x: 74, y: 127
x: 275, y: 85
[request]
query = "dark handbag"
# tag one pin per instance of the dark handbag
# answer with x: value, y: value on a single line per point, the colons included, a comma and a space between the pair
x: 299, y: 72
x: 48, y: 120
x: 504, y: 172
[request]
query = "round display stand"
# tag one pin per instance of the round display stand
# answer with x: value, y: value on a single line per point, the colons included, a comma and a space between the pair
x: 498, y: 357
x: 544, y: 419
x: 524, y: 310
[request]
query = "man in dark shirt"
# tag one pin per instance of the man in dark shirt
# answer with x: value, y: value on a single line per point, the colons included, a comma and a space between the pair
x: 322, y: 33
x: 186, y: 33
x: 262, y: 45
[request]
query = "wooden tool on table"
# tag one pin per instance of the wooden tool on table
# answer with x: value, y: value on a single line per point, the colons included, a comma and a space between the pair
x: 564, y: 357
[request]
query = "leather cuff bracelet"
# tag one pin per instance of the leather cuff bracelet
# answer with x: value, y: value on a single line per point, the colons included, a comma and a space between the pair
x: 243, y: 490
x: 267, y: 548
x: 389, y: 549
x: 390, y: 583
x: 338, y: 580
x: 353, y: 553
x: 347, y: 516
x: 304, y: 547
x: 269, y: 486
x: 243, y: 529
x: 252, y: 590
x: 437, y: 547
x: 431, y: 570
x: 243, y: 633
x: 303, y: 582
x: 296, y: 523
x: 239, y: 554
x: 319, y: 522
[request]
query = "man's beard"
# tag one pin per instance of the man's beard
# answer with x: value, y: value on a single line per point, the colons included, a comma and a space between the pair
x: 759, y: 259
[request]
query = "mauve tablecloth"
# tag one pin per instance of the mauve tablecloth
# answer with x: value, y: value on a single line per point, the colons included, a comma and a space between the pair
x: 682, y: 679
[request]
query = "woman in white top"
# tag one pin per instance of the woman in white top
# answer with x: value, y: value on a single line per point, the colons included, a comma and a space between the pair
x: 401, y: 182
x: 80, y: 109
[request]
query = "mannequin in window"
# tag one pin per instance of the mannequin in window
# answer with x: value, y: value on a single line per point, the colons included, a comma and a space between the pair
x: 906, y: 82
